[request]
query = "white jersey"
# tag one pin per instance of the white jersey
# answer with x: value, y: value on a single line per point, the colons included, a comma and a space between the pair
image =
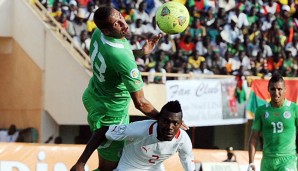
x: 143, y: 151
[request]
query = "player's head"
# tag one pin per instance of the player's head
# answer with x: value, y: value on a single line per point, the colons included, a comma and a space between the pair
x: 111, y: 22
x: 169, y: 121
x: 277, y: 88
x: 12, y: 129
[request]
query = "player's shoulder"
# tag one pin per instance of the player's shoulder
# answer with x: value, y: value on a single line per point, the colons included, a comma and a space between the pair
x: 263, y: 107
x: 290, y: 104
x: 182, y: 135
x: 293, y: 106
x: 96, y: 33
x: 144, y: 124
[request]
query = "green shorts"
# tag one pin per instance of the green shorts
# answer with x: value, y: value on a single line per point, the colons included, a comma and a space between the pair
x: 109, y: 150
x: 288, y: 163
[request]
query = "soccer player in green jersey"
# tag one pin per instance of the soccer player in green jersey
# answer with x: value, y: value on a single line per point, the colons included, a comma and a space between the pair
x: 277, y: 121
x: 115, y: 81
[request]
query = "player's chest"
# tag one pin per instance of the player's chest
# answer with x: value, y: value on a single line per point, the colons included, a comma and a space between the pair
x: 160, y: 149
x: 278, y: 120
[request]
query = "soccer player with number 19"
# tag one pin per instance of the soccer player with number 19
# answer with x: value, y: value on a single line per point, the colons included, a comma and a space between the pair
x: 278, y: 121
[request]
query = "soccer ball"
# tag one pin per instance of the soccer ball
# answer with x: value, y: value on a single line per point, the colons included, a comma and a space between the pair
x: 172, y: 17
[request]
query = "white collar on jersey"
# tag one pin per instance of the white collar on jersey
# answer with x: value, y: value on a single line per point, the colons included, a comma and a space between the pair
x: 105, y: 41
x: 286, y: 103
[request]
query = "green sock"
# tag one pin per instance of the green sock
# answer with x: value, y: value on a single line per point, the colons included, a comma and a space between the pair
x: 96, y: 170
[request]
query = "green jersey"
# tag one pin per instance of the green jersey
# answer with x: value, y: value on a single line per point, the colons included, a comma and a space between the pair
x: 279, y: 128
x: 115, y: 74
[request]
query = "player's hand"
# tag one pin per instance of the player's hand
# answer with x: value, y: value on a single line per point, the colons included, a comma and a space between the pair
x: 251, y: 167
x: 150, y: 44
x: 184, y: 126
x: 78, y: 167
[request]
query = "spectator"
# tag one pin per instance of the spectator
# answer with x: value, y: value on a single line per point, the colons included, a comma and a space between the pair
x: 292, y: 47
x: 153, y: 28
x: 129, y: 14
x: 194, y: 62
x: 167, y: 45
x: 139, y: 28
x: 67, y: 25
x: 152, y: 78
x: 73, y: 10
x: 214, y: 30
x: 204, y: 70
x: 142, y: 14
x: 232, y: 31
x: 230, y: 155
x: 79, y: 23
x: 57, y: 10
x: 10, y: 135
x: 245, y: 63
x: 186, y: 45
x: 265, y: 49
x: 82, y: 41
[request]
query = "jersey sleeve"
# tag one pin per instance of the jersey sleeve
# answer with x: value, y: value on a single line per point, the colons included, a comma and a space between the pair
x: 129, y: 72
x: 128, y: 132
x: 185, y: 153
x: 257, y: 123
x: 296, y: 114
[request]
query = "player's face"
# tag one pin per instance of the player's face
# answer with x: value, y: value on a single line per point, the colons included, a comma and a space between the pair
x: 119, y: 27
x: 168, y: 125
x: 277, y: 93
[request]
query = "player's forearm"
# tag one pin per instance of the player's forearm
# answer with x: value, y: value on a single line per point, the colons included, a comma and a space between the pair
x: 142, y: 104
x: 252, y: 149
x: 146, y: 107
x: 187, y: 162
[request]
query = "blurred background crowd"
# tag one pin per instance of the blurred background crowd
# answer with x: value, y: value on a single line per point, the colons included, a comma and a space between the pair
x: 224, y: 37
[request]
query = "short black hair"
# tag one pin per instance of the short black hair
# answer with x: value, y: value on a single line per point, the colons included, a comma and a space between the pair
x: 276, y: 77
x: 172, y: 106
x: 101, y: 16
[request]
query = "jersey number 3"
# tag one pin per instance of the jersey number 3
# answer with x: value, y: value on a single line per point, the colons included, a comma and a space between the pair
x: 277, y: 127
x: 98, y: 71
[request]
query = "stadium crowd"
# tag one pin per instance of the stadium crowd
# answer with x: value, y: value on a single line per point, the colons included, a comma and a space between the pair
x: 224, y: 37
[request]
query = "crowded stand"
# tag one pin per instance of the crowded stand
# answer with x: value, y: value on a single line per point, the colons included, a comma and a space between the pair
x: 224, y: 37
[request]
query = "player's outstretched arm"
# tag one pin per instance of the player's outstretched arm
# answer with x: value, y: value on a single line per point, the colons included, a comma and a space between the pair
x: 96, y: 139
x: 185, y: 153
x: 253, y: 142
x: 148, y: 46
x: 142, y: 104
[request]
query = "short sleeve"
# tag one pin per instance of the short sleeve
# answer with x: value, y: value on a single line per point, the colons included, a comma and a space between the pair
x: 257, y: 122
x: 296, y: 114
x: 129, y: 132
x: 129, y: 73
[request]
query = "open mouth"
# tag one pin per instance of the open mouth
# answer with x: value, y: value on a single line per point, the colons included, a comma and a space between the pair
x: 126, y: 30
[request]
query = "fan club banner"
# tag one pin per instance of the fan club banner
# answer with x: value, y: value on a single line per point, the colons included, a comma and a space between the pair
x: 207, y: 102
x: 259, y: 94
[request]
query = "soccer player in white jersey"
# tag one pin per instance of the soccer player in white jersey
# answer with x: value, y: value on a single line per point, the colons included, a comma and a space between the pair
x: 148, y: 143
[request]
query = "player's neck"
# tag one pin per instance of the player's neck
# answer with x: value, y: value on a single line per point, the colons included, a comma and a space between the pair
x: 278, y: 104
